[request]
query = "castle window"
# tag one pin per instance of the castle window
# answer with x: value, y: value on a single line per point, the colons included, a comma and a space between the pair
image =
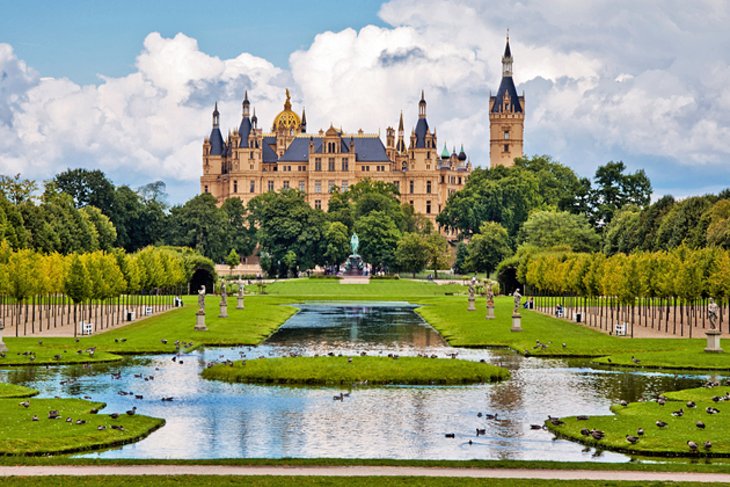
x: 318, y: 186
x: 270, y: 185
x: 345, y: 164
x: 506, y: 147
x: 411, y: 203
x: 506, y: 135
x: 428, y: 187
x: 344, y: 185
x: 286, y: 184
x: 251, y: 155
x: 317, y: 163
x: 397, y: 185
x: 330, y: 186
x: 331, y: 164
x: 301, y: 186
x: 206, y: 188
x: 459, y: 179
x: 442, y: 179
x: 235, y: 186
x: 428, y: 154
x: 318, y: 204
x: 411, y: 186
x: 428, y: 207
x: 252, y: 186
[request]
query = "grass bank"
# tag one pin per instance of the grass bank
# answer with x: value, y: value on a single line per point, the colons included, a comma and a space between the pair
x: 356, y: 370
x: 20, y: 434
x: 670, y: 439
x: 12, y: 391
x: 691, y: 357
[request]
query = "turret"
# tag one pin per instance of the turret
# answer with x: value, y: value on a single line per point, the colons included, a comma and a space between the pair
x: 217, y: 146
x: 422, y: 124
x: 304, y: 121
x: 244, y: 130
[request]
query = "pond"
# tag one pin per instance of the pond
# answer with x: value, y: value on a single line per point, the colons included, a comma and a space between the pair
x: 209, y: 419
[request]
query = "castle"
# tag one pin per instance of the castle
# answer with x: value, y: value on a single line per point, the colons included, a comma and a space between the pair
x: 250, y: 161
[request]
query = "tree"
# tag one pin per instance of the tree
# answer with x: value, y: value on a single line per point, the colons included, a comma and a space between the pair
x: 412, y: 253
x: 680, y: 224
x: 622, y: 234
x: 461, y: 254
x: 545, y: 229
x: 437, y: 252
x: 105, y: 232
x: 290, y: 263
x: 86, y: 187
x: 16, y: 189
x: 242, y: 237
x: 78, y: 283
x: 718, y: 228
x: 336, y: 243
x: 200, y: 225
x: 379, y: 237
x: 488, y: 248
x: 233, y: 259
x: 614, y: 189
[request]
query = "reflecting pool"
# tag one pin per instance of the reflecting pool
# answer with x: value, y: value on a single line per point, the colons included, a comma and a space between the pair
x: 209, y: 419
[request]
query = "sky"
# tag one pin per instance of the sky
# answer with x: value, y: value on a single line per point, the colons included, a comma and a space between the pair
x: 128, y: 87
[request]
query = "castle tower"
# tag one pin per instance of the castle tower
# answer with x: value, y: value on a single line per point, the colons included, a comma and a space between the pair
x: 506, y: 118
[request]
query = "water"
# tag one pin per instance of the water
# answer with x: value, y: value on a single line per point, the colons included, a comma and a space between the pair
x: 210, y: 419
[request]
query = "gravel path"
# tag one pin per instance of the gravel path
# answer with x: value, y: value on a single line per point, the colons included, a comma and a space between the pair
x: 363, y: 471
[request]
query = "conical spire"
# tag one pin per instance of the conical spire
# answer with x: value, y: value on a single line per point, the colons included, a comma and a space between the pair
x: 304, y: 121
x: 400, y: 123
x: 254, y: 119
x: 246, y: 104
x: 445, y: 153
x: 507, y: 59
x: 216, y: 116
x: 422, y: 106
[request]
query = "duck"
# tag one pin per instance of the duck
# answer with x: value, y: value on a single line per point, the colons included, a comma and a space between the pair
x: 711, y: 410
x: 632, y: 439
x: 132, y: 411
x: 582, y: 417
x: 692, y: 445
x: 678, y: 413
x: 691, y: 404
x: 481, y: 431
x: 700, y: 425
x: 708, y: 445
x: 640, y: 432
x: 450, y: 435
x: 661, y: 424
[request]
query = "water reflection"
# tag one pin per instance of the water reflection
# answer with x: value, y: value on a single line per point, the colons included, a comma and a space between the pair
x: 210, y: 419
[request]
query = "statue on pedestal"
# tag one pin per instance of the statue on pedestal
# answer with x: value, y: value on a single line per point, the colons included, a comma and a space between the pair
x: 712, y: 313
x: 518, y: 298
x: 201, y: 299
x: 224, y: 301
x: 241, y: 292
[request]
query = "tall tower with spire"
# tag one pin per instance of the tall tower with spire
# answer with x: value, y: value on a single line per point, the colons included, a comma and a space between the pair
x: 506, y: 118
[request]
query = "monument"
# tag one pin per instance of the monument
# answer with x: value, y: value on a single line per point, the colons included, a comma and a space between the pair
x: 516, y: 318
x: 3, y: 347
x: 354, y: 265
x: 713, y: 334
x: 471, y: 295
x: 200, y: 314
x: 490, y: 300
x: 241, y: 293
x: 224, y: 301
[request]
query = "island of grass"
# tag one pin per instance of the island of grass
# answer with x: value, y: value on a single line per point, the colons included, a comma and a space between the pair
x: 360, y: 370
x: 20, y: 434
x: 692, y: 357
x: 694, y: 423
x: 12, y: 391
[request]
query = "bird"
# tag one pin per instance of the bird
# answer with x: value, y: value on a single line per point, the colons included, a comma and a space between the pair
x: 678, y: 413
x: 536, y: 426
x: 691, y: 404
x: 53, y: 414
x: 132, y: 411
x: 661, y: 424
x: 101, y: 427
x: 623, y: 403
x: 481, y: 431
x: 635, y: 360
x: 708, y: 445
x: 585, y: 432
x: 35, y: 418
x: 164, y: 341
x: 711, y: 410
x: 661, y: 401
x: 80, y: 421
x: 632, y: 439
x: 582, y: 417
x: 700, y: 425
x: 25, y: 404
x: 114, y: 415
x: 640, y: 432
x: 167, y: 398
x: 555, y: 421
x: 597, y: 435
x: 479, y: 415
x: 692, y: 445
x: 450, y: 435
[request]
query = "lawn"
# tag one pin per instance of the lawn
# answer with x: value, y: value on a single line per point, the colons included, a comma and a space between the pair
x: 21, y: 435
x: 669, y: 440
x: 356, y: 370
x: 12, y: 390
x: 691, y: 356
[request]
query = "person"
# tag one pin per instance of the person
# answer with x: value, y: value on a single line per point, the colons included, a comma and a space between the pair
x: 531, y: 302
x: 712, y: 311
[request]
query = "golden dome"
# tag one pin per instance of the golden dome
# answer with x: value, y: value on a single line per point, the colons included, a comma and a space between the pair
x: 287, y: 119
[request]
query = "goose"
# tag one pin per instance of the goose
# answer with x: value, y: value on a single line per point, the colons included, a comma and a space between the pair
x: 708, y: 445
x: 700, y: 425
x: 69, y: 419
x: 114, y: 415
x: 491, y: 416
x: 101, y: 427
x: 582, y: 417
x: 25, y: 404
x: 678, y: 413
x: 53, y: 414
x: 536, y: 427
x: 167, y: 398
x: 80, y: 421
x: 94, y: 411
x: 711, y: 410
x: 640, y: 432
x: 691, y: 404
x: 555, y: 421
x: 131, y: 412
x: 481, y: 431
x: 450, y: 435
x: 661, y: 424
x: 338, y: 397
x: 623, y: 403
x: 585, y: 432
x: 661, y: 401
x: 632, y: 439
x: 118, y: 427
x: 479, y: 415
x: 35, y: 418
x: 138, y: 396
x: 597, y: 435
x: 692, y: 445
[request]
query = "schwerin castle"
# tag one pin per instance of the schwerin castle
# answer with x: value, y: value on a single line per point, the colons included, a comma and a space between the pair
x: 250, y: 161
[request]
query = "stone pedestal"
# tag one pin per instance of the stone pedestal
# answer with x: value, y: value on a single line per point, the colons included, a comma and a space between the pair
x: 471, y: 304
x: 516, y: 322
x: 200, y: 321
x: 713, y: 341
x: 240, y: 304
x: 224, y: 310
x: 490, y: 312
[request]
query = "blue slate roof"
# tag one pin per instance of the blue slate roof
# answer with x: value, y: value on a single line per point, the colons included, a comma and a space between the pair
x: 507, y: 86
x: 217, y: 146
x: 267, y: 153
x: 421, y: 130
x: 507, y: 50
x: 244, y: 130
x: 367, y: 149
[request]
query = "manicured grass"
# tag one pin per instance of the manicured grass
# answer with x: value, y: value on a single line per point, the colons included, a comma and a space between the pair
x: 356, y: 370
x: 271, y: 481
x: 670, y: 440
x: 52, y: 351
x: 692, y: 356
x: 383, y: 289
x: 13, y: 390
x: 699, y: 394
x: 20, y: 435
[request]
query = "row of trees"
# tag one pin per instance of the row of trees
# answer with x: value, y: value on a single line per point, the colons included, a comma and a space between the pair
x: 666, y: 289
x: 46, y: 289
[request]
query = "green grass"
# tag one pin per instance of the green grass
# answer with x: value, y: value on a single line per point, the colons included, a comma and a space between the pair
x: 378, y: 289
x: 20, y: 435
x: 13, y: 390
x: 668, y: 441
x: 279, y: 480
x: 51, y: 351
x: 698, y: 394
x: 362, y: 370
x: 692, y: 356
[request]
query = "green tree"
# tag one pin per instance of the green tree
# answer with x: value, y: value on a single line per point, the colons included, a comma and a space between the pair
x: 242, y: 236
x: 16, y: 189
x: 290, y: 263
x: 437, y: 252
x: 680, y: 224
x: 718, y: 227
x: 200, y: 225
x: 336, y: 243
x: 545, y: 229
x: 461, y: 254
x: 86, y: 187
x: 411, y: 255
x: 379, y: 237
x: 78, y: 282
x: 622, y: 234
x: 232, y: 260
x: 106, y: 234
x: 614, y: 189
x: 488, y: 248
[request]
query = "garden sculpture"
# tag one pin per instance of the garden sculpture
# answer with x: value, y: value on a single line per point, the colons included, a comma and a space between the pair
x: 712, y: 310
x: 518, y: 297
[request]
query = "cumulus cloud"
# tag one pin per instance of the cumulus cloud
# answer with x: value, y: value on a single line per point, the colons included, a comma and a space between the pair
x: 604, y: 80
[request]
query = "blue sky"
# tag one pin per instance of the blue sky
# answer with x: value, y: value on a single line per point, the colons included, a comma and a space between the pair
x: 128, y: 86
